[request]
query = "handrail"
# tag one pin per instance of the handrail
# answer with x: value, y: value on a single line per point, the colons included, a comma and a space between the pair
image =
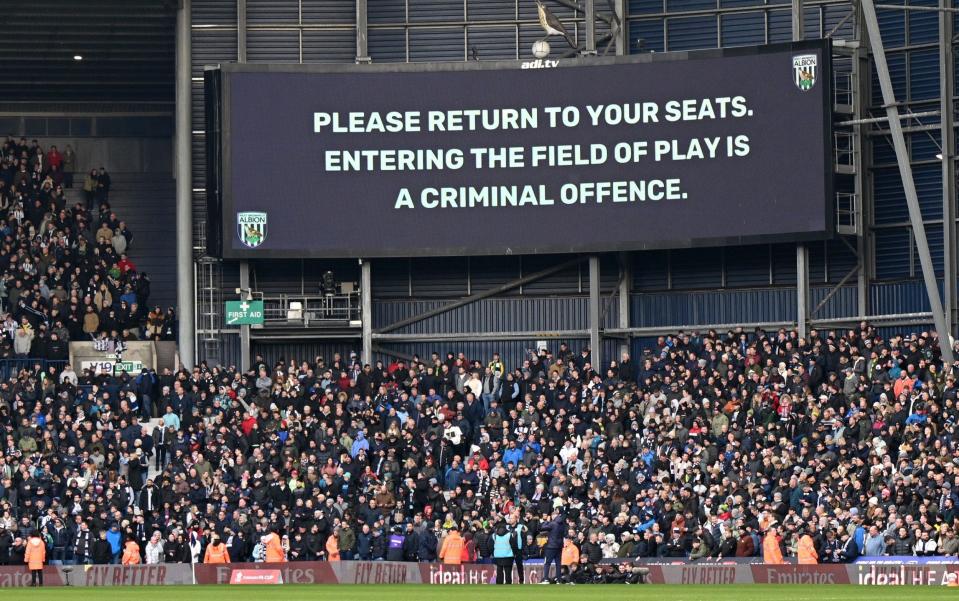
x: 306, y: 310
x: 11, y: 367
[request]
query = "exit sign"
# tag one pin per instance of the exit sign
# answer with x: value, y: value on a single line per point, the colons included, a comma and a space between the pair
x: 244, y: 313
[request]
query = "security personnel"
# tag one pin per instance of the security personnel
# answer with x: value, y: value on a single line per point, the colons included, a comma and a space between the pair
x: 131, y: 553
x: 274, y: 547
x: 806, y: 550
x: 772, y: 554
x: 216, y: 551
x: 503, y: 554
x: 34, y: 555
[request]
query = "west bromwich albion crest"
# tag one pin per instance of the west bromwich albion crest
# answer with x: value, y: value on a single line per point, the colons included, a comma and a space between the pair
x: 804, y: 71
x: 251, y: 227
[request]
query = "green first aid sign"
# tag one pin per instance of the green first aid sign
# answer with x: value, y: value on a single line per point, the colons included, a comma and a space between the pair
x: 244, y: 313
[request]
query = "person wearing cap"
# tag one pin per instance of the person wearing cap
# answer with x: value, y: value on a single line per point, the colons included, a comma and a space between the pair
x: 35, y: 555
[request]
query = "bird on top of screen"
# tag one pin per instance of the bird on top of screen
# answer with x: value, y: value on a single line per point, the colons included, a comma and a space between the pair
x: 550, y: 24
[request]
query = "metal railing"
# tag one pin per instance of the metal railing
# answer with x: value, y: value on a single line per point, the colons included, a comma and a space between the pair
x: 843, y: 90
x: 846, y: 214
x: 9, y: 368
x: 844, y: 149
x: 310, y: 311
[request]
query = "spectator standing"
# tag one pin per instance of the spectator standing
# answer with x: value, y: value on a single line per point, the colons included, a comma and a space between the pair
x: 103, y: 186
x: 503, y: 542
x: 90, y: 189
x: 154, y: 549
x: 553, y: 549
x: 69, y: 165
x: 35, y: 554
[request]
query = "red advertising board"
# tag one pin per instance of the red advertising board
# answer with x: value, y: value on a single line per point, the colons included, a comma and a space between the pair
x: 388, y: 572
x: 256, y: 577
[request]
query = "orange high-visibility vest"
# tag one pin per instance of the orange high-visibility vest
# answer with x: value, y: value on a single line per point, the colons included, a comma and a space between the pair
x: 274, y: 549
x: 806, y: 551
x: 131, y: 553
x: 216, y: 554
x: 771, y: 552
x: 333, y: 549
x: 35, y: 553
x: 452, y: 550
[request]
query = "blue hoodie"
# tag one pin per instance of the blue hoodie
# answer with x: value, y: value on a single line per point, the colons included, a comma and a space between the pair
x: 113, y: 537
x: 360, y: 444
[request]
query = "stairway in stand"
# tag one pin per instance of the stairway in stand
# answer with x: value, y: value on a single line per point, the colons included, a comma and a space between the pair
x: 147, y: 203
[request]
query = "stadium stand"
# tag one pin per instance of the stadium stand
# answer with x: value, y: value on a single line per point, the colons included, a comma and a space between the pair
x: 709, y: 445
x: 706, y: 456
x: 68, y: 268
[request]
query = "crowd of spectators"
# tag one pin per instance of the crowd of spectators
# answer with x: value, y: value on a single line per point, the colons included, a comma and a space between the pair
x: 65, y: 271
x: 737, y: 444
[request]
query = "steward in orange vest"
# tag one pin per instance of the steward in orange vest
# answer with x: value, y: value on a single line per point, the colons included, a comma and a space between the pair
x: 216, y: 552
x: 772, y: 554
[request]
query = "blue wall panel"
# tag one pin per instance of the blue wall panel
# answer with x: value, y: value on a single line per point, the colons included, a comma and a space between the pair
x: 743, y: 29
x: 898, y: 297
x: 490, y: 10
x: 646, y: 35
x: 889, y: 198
x: 492, y: 43
x: 924, y: 74
x: 780, y: 26
x: 639, y: 7
x: 691, y: 33
x: 720, y: 306
x: 440, y: 44
x: 923, y: 25
x: 435, y: 10
x: 387, y: 45
x: 493, y: 314
x: 892, y: 253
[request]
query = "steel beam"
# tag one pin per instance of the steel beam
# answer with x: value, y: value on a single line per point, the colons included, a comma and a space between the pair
x: 622, y: 32
x: 241, y: 31
x: 590, y: 27
x: 802, y: 253
x: 798, y: 25
x: 885, y: 119
x: 245, y: 329
x: 947, y: 122
x: 905, y: 172
x: 595, y: 346
x: 625, y: 281
x: 186, y: 301
x: 366, y: 309
x: 480, y: 295
x: 513, y: 335
x: 362, y: 33
x: 802, y: 290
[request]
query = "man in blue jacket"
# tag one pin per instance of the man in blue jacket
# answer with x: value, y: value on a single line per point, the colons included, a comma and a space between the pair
x: 553, y: 549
